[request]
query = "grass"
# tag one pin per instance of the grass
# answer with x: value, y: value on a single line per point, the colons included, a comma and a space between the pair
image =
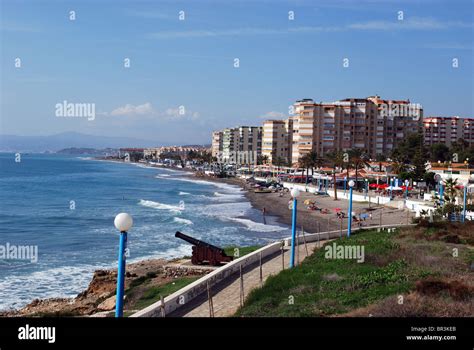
x: 242, y: 250
x: 323, y: 287
x: 153, y: 294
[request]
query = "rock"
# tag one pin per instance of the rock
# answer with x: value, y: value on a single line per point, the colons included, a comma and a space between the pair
x: 107, y: 304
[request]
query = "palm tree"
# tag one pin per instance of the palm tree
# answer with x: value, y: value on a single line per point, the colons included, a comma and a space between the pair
x: 337, y: 160
x: 451, y: 191
x: 358, y: 159
x: 305, y: 163
x: 399, y: 167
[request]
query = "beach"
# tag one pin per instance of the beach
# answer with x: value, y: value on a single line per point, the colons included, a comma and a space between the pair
x: 313, y: 221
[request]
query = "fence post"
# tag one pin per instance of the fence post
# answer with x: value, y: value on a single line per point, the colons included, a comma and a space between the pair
x: 304, y: 240
x: 209, y: 297
x: 297, y: 246
x: 162, y: 306
x: 283, y: 255
x: 381, y: 212
x: 242, y: 295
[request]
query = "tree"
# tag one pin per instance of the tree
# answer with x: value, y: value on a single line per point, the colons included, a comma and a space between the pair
x: 358, y: 160
x: 439, y: 151
x: 262, y: 159
x: 451, y: 191
x: 337, y: 160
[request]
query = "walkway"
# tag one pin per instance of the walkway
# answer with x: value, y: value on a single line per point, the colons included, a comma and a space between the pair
x: 226, y: 294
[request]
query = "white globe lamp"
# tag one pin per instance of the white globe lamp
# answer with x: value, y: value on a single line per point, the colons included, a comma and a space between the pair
x: 123, y: 222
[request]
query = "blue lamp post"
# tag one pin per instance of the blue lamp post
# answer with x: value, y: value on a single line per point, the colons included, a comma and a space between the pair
x: 349, y: 224
x: 441, y: 193
x: 391, y: 188
x: 366, y: 188
x: 294, y: 193
x: 123, y: 222
x: 464, y: 202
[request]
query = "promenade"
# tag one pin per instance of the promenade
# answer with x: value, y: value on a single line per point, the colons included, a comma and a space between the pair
x: 226, y: 294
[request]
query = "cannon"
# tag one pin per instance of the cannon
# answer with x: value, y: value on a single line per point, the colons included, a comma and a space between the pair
x: 204, y: 252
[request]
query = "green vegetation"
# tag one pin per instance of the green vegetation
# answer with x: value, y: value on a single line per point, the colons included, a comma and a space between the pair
x: 153, y: 294
x: 242, y: 250
x: 395, y: 263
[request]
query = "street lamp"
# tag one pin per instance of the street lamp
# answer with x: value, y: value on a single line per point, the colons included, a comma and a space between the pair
x: 366, y: 188
x: 441, y: 192
x: 349, y: 225
x: 391, y: 188
x: 464, y: 201
x: 345, y: 184
x: 123, y: 222
x: 294, y: 194
x: 406, y: 188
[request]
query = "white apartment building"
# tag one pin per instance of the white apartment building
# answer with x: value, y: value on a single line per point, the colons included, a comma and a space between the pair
x: 277, y: 139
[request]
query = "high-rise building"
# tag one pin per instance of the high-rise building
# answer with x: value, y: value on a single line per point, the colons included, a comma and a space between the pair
x: 370, y: 124
x: 216, y: 146
x: 447, y: 130
x: 231, y: 143
x: 277, y: 140
x: 250, y: 139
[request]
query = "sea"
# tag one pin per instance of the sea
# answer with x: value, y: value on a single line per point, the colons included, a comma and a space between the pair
x: 65, y: 207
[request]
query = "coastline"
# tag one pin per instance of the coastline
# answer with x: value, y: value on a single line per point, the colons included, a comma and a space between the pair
x: 96, y: 298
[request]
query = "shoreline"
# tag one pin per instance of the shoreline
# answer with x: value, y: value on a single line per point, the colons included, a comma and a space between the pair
x: 88, y: 301
x: 92, y: 299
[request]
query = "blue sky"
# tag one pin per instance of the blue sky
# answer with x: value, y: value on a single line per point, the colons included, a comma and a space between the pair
x: 190, y: 63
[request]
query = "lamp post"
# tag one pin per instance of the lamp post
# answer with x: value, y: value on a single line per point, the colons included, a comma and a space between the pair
x: 123, y: 222
x: 391, y: 188
x: 366, y: 188
x: 406, y: 188
x: 349, y: 225
x: 345, y: 184
x: 294, y: 194
x: 441, y: 192
x: 464, y: 202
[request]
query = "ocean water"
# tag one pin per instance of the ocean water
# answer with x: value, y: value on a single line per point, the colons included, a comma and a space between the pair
x: 73, y: 241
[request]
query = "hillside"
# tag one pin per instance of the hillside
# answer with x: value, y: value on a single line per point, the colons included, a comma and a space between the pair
x: 419, y: 271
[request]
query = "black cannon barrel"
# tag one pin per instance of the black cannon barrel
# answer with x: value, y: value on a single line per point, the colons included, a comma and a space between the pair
x: 195, y: 241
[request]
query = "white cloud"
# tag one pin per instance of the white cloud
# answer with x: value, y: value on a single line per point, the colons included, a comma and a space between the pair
x: 131, y: 110
x: 148, y: 111
x: 413, y: 23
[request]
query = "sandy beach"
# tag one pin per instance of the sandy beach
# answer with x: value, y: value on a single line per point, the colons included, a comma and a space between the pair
x: 314, y: 220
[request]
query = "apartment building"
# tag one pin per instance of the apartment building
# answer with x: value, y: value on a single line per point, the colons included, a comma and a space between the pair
x: 217, y: 144
x: 182, y: 151
x: 228, y: 142
x: 370, y: 124
x: 277, y: 140
x: 250, y: 139
x: 447, y: 130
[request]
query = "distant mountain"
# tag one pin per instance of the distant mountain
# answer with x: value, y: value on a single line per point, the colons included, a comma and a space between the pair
x: 53, y: 143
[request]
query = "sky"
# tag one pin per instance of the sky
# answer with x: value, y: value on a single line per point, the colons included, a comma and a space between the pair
x: 182, y: 81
